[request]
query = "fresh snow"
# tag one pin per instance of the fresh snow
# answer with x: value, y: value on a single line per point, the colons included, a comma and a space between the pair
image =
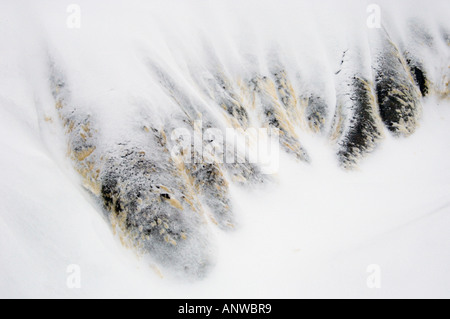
x: 313, y: 232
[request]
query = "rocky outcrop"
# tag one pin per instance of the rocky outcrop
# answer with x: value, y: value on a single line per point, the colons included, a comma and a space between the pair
x: 164, y: 203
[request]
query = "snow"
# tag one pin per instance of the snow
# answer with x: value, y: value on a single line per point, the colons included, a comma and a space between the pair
x: 312, y: 233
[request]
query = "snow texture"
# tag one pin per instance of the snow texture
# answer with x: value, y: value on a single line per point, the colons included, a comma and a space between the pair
x: 89, y: 176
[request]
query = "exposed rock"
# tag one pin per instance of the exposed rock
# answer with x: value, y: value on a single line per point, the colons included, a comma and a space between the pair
x: 397, y: 96
x: 357, y: 124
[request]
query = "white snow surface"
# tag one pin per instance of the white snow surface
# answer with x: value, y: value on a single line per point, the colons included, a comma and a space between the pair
x: 312, y: 233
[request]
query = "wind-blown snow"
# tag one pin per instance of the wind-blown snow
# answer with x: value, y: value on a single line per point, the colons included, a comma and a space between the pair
x: 312, y: 233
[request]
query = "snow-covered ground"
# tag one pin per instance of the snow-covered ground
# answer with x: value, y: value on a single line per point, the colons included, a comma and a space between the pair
x: 312, y: 233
